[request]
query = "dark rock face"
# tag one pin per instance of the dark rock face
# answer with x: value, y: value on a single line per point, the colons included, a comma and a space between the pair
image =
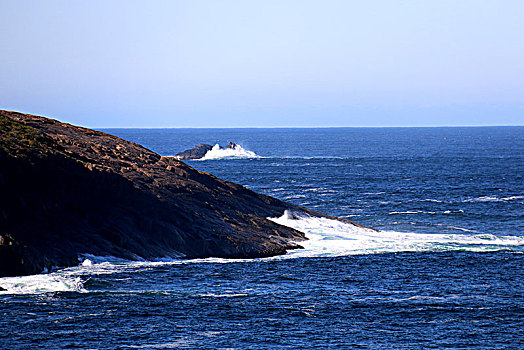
x: 199, y: 151
x: 67, y: 191
x: 196, y: 152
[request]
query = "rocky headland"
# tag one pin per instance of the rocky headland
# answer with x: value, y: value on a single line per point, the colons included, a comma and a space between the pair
x: 67, y: 191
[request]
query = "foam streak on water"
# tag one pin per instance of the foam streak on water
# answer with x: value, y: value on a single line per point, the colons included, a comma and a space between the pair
x: 328, y: 237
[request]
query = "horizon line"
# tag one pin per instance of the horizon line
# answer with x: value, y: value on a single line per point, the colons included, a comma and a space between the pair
x: 303, y: 127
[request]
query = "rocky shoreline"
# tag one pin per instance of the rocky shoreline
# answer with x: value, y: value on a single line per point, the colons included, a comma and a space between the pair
x: 67, y: 190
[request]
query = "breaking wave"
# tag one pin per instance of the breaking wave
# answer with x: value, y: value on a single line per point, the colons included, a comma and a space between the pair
x: 73, y: 279
x: 43, y: 283
x: 237, y: 151
x: 329, y: 237
x: 326, y: 238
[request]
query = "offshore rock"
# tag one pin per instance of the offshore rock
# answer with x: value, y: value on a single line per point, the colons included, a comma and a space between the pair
x: 196, y: 152
x: 200, y: 150
x: 231, y: 145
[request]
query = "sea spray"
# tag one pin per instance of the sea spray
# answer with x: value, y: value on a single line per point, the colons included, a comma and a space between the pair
x: 236, y: 151
x: 330, y: 237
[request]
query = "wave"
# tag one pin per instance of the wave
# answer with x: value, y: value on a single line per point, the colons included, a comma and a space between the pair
x: 44, y: 283
x: 466, y: 230
x: 237, y: 151
x: 307, y: 157
x: 512, y: 198
x: 411, y: 212
x: 73, y: 279
x: 64, y: 280
x: 329, y: 237
x: 493, y: 199
x: 326, y: 238
x: 458, y: 211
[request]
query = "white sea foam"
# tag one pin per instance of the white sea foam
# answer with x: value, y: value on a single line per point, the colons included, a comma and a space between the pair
x: 227, y: 153
x: 411, y: 212
x: 464, y: 229
x: 64, y: 280
x: 329, y: 237
x: 459, y: 211
x: 494, y: 199
x: 484, y: 199
x: 72, y: 279
x: 296, y: 196
x: 43, y: 283
x: 512, y: 198
x: 432, y: 200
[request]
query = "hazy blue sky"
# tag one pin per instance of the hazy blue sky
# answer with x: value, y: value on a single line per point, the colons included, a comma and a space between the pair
x: 264, y: 63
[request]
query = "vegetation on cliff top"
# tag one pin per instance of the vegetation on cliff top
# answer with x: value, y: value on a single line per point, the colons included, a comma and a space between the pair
x: 24, y: 141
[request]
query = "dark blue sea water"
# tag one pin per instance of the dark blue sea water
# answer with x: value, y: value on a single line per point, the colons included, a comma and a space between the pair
x: 445, y: 272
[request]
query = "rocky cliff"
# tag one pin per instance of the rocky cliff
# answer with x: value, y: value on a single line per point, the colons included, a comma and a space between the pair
x: 67, y: 191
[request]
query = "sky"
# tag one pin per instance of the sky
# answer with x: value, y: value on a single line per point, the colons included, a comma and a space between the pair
x: 264, y: 63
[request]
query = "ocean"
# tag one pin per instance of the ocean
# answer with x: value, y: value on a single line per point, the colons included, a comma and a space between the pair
x: 446, y: 270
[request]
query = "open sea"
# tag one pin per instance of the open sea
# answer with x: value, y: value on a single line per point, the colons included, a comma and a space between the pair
x: 446, y: 271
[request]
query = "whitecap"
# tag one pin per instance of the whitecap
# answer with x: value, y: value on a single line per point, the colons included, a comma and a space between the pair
x: 461, y: 229
x: 494, y: 199
x: 447, y: 212
x: 483, y: 199
x: 512, y: 198
x: 296, y: 196
x: 411, y: 212
x: 278, y: 189
x: 432, y: 200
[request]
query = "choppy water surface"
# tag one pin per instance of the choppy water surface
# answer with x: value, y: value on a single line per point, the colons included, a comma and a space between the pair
x: 445, y: 272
